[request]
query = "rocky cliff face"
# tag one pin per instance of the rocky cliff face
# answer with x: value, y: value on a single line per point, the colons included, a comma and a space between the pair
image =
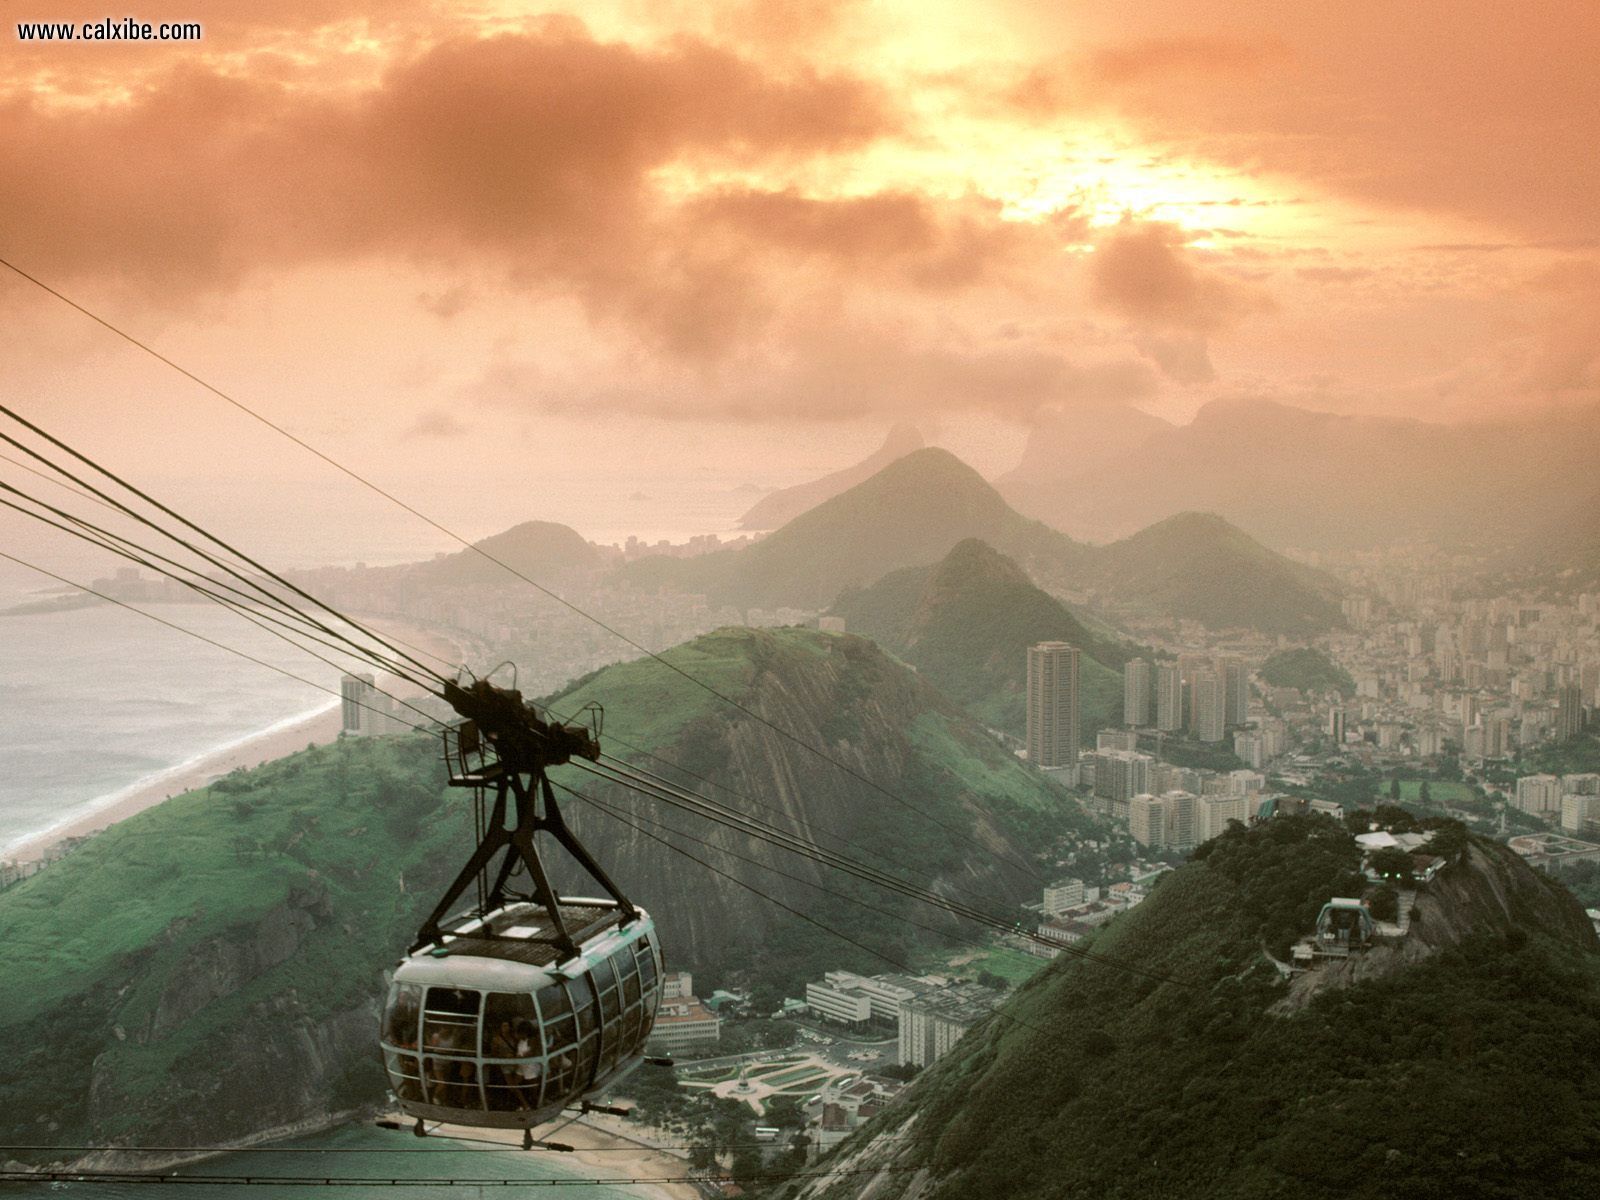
x: 955, y: 817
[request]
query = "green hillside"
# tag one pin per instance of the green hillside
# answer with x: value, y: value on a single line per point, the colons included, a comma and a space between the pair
x: 1460, y: 1064
x: 909, y: 514
x: 1307, y: 669
x: 212, y: 967
x: 966, y: 624
x: 964, y: 810
x: 212, y: 964
x: 1198, y: 567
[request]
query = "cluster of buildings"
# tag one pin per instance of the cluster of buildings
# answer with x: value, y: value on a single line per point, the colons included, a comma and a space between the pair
x: 928, y: 1014
x: 1572, y: 801
x: 15, y: 870
x: 1491, y: 677
x: 685, y: 1025
x: 1072, y: 909
x: 1201, y: 694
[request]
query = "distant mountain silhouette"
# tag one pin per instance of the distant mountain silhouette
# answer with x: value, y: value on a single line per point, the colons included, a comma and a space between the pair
x: 537, y: 548
x: 1562, y: 553
x: 909, y: 513
x: 966, y: 624
x: 785, y: 504
x: 1297, y: 477
x: 913, y: 512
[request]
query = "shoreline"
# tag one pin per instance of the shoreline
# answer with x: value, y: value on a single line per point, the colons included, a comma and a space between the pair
x: 317, y: 727
x: 610, y: 1153
x: 293, y: 733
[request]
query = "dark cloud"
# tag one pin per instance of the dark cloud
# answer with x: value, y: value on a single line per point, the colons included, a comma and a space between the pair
x: 534, y: 150
x: 1145, y: 274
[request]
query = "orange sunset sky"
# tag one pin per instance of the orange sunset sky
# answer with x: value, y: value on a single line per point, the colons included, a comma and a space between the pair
x: 533, y: 250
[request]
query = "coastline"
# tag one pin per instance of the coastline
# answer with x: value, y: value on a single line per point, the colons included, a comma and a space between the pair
x: 295, y: 733
x: 316, y: 727
x: 609, y: 1153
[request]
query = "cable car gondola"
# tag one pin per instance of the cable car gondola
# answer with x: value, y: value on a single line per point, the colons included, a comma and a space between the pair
x: 527, y: 1004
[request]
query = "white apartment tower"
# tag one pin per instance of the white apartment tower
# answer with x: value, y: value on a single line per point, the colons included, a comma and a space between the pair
x: 1136, y: 694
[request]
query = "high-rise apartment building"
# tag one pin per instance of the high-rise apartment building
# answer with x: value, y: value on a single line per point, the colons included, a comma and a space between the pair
x: 1053, y: 705
x: 1217, y: 811
x: 1121, y: 774
x: 1147, y: 820
x: 1137, y: 698
x: 1236, y: 688
x: 1208, y: 707
x: 1169, y: 697
x: 1569, y: 712
x: 1539, y: 794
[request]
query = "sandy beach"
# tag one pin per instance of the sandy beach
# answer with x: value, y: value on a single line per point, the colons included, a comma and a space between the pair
x: 315, y: 729
x: 603, y: 1150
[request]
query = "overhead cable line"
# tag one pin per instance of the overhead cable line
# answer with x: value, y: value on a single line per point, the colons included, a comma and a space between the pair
x: 247, y: 610
x: 176, y: 516
x: 860, y: 870
x: 260, y: 662
x: 481, y: 552
x: 905, y: 968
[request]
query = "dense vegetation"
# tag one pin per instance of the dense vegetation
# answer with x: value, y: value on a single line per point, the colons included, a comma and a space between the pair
x: 1468, y: 1073
x: 1307, y: 669
x: 1199, y: 567
x: 962, y: 810
x: 212, y: 967
x: 967, y: 623
x: 212, y: 963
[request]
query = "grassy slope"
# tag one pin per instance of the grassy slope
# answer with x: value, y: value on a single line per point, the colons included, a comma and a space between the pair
x: 1470, y: 1074
x: 93, y: 942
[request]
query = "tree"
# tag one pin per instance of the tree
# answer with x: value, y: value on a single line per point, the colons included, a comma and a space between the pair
x: 1384, y: 903
x: 1423, y: 793
x: 747, y: 1163
x: 1394, y: 789
x: 1391, y: 863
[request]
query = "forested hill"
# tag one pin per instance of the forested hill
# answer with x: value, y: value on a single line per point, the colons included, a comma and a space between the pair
x: 1199, y: 567
x: 966, y: 624
x: 1462, y: 1065
x: 212, y: 967
x: 956, y: 809
x: 1309, y: 670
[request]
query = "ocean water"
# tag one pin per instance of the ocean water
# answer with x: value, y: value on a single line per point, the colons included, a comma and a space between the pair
x: 95, y: 701
x: 360, y: 1152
